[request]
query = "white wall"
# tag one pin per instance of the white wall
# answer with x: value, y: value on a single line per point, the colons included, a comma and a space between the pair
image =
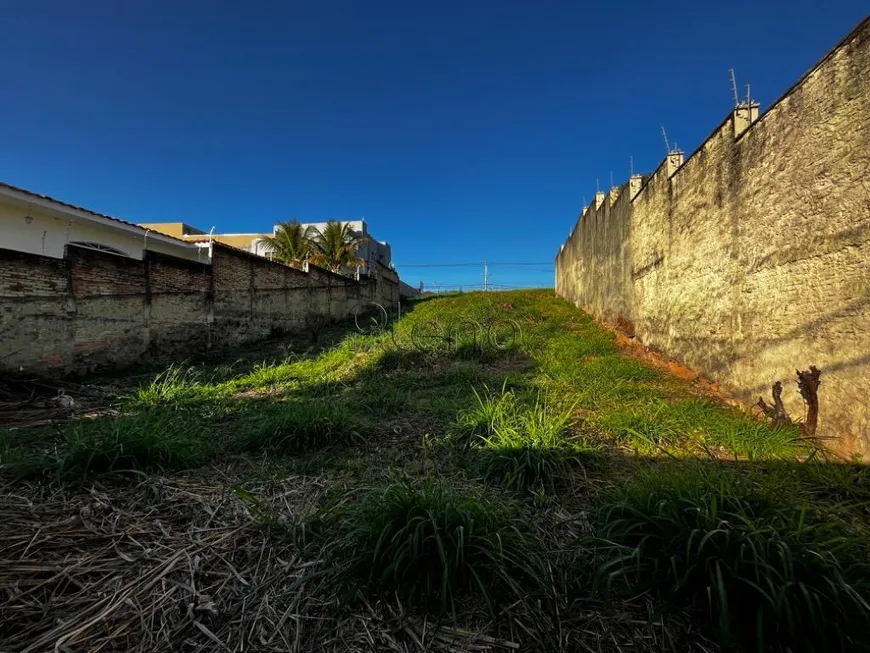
x: 48, y: 235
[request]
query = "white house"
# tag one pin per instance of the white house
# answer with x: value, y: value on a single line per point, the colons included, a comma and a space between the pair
x: 38, y: 224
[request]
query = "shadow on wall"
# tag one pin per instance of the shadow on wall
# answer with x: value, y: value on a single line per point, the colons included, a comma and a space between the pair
x: 749, y: 260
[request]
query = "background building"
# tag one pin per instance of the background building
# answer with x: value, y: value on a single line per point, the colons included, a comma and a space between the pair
x: 371, y: 250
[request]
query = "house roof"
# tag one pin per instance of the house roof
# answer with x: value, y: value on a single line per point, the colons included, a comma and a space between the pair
x: 72, y: 209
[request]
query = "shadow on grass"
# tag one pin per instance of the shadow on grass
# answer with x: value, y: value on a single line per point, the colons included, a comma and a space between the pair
x: 773, y: 543
x: 179, y: 420
x: 618, y: 484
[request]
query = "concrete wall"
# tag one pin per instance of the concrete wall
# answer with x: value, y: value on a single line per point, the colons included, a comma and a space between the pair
x: 92, y: 310
x: 753, y: 258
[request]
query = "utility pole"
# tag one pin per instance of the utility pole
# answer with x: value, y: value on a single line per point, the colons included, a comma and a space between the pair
x: 485, y: 276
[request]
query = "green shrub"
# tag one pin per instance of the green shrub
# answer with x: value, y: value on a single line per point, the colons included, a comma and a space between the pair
x: 767, y: 575
x: 298, y: 426
x: 432, y: 545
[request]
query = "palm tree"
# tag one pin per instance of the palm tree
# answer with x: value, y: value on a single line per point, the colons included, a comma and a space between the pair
x: 338, y: 244
x: 291, y: 242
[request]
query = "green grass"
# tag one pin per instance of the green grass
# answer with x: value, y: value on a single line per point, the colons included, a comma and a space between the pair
x: 433, y: 545
x: 764, y: 571
x: 529, y: 442
x: 521, y: 441
x: 178, y: 385
x: 299, y: 426
x: 696, y: 425
x: 156, y: 439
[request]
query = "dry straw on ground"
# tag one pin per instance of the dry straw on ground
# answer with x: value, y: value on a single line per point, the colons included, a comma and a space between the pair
x: 179, y: 563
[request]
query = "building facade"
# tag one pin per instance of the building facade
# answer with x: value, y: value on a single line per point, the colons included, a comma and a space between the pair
x: 38, y: 224
x: 371, y: 251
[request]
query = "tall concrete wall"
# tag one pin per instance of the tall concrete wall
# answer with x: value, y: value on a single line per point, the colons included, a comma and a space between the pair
x: 92, y: 310
x: 753, y: 258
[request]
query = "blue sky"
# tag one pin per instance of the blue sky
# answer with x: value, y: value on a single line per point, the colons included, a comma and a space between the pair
x: 461, y: 130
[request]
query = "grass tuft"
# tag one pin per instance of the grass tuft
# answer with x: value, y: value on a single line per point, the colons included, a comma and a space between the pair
x: 474, y: 426
x: 766, y: 574
x: 695, y: 424
x: 158, y: 439
x: 432, y: 545
x: 520, y: 441
x: 177, y: 385
x: 299, y: 426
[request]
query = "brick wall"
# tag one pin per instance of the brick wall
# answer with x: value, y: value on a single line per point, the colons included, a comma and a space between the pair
x: 753, y: 259
x: 92, y: 310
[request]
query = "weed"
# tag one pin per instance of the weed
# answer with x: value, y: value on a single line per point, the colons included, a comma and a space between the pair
x: 177, y: 385
x: 520, y: 442
x: 699, y: 424
x: 431, y: 545
x: 298, y: 426
x: 480, y: 422
x: 766, y: 573
x: 155, y: 439
x: 643, y: 429
x: 536, y: 448
x: 735, y: 431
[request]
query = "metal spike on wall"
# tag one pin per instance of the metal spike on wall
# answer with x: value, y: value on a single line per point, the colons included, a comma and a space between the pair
x: 734, y: 88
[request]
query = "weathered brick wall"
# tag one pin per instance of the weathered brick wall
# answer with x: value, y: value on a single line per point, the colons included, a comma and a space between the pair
x: 93, y: 310
x: 753, y: 259
x: 178, y: 305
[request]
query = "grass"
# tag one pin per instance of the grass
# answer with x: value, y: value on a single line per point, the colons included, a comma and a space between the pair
x: 433, y: 545
x: 157, y: 439
x: 765, y: 572
x: 299, y: 426
x: 700, y: 425
x: 536, y: 455
x: 522, y: 442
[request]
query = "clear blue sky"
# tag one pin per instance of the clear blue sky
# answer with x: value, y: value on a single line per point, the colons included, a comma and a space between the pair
x: 462, y: 130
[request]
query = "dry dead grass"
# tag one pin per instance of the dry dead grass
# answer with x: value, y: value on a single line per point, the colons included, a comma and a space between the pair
x: 179, y: 563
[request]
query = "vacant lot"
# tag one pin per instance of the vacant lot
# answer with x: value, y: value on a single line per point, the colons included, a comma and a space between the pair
x: 488, y: 473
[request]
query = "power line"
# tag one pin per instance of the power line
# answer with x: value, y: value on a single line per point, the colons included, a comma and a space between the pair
x: 467, y: 265
x: 492, y: 286
x: 439, y: 265
x: 526, y: 269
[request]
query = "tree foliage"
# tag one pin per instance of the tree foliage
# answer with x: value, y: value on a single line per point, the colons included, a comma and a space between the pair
x: 291, y: 243
x: 337, y: 246
x: 334, y: 248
